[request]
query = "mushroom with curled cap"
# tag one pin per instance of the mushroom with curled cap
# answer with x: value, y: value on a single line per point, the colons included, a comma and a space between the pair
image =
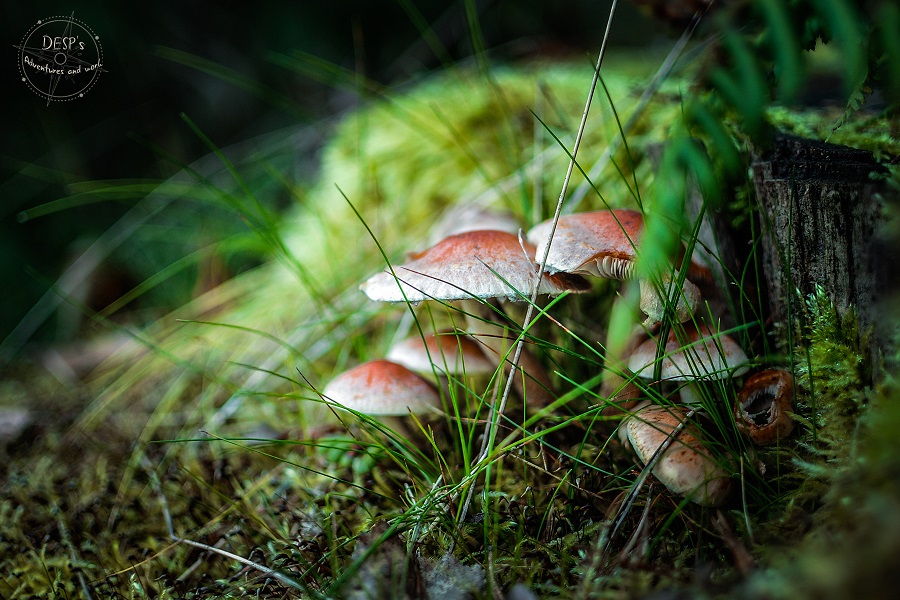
x: 471, y: 267
x: 706, y: 355
x: 686, y: 466
x: 762, y: 409
x: 604, y: 244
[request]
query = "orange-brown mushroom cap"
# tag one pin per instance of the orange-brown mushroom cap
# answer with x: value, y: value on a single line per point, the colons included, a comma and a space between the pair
x: 763, y: 406
x: 382, y: 388
x: 451, y: 353
x: 475, y: 264
x: 603, y: 244
x: 600, y: 243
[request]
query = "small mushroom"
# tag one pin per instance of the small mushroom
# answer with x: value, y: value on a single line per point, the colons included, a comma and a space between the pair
x: 686, y: 466
x: 458, y: 362
x: 763, y: 406
x: 468, y: 216
x: 706, y: 356
x: 447, y: 352
x: 381, y: 388
x: 653, y: 300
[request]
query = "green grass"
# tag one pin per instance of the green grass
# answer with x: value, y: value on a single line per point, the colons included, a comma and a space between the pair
x: 206, y: 464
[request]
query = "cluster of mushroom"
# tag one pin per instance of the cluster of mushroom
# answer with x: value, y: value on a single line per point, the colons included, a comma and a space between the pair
x: 471, y: 266
x: 762, y: 411
x: 604, y: 244
x: 467, y: 268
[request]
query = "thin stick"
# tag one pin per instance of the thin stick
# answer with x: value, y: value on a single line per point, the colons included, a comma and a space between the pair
x: 538, y: 159
x: 491, y: 427
x: 661, y: 74
x: 67, y: 541
x: 743, y: 560
x: 639, y: 530
x: 167, y: 517
x: 261, y: 568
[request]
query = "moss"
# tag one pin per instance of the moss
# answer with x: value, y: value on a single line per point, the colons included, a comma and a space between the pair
x: 864, y: 130
x: 852, y: 549
x: 841, y: 520
x: 299, y: 508
x: 829, y: 371
x: 456, y: 138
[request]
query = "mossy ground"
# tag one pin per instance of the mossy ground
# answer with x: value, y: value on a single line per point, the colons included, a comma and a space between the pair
x: 213, y: 425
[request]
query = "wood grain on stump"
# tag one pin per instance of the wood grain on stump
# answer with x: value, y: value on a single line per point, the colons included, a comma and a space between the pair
x: 820, y: 210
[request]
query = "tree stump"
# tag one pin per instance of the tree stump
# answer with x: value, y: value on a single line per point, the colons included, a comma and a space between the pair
x: 820, y: 211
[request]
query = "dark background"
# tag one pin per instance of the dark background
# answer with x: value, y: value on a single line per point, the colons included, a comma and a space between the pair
x: 136, y: 104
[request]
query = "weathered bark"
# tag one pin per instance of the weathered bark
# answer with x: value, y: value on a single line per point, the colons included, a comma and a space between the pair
x: 820, y: 211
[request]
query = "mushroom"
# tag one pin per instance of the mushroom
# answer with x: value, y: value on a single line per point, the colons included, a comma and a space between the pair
x: 603, y: 244
x: 471, y: 267
x: 763, y: 406
x: 447, y: 352
x: 475, y: 264
x: 452, y: 355
x: 382, y: 388
x: 686, y: 467
x: 706, y: 356
x: 449, y: 356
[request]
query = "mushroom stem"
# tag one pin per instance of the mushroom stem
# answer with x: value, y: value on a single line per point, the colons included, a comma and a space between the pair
x: 691, y: 395
x: 617, y: 386
x: 532, y: 383
x: 655, y: 297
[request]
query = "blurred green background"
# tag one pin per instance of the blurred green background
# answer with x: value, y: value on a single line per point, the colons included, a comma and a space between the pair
x: 128, y: 126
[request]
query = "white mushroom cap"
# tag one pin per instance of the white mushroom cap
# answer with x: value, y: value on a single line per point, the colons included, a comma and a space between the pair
x: 686, y: 467
x: 382, y: 388
x: 653, y: 304
x: 474, y: 264
x: 708, y: 355
x: 449, y: 352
